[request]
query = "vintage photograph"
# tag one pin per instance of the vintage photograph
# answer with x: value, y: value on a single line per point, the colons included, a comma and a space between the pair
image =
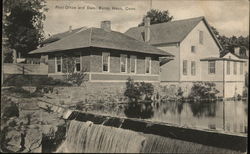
x: 124, y: 76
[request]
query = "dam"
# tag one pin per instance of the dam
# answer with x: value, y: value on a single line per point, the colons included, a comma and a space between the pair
x: 87, y: 132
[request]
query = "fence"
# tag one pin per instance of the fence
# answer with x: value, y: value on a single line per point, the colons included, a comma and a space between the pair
x: 28, y: 69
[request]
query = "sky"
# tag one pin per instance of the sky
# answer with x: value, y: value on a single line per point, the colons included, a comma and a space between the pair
x: 229, y: 17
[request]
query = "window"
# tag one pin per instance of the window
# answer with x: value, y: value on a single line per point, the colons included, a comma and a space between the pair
x: 241, y: 68
x: 77, y: 64
x: 58, y: 64
x: 193, y: 49
x: 105, y: 61
x: 184, y: 67
x: 211, y: 67
x: 132, y: 64
x: 228, y: 67
x: 123, y: 63
x: 193, y: 68
x: 148, y: 64
x: 201, y: 35
x: 235, y: 68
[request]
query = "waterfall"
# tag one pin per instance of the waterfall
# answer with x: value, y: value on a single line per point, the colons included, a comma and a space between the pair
x: 158, y: 144
x: 86, y: 137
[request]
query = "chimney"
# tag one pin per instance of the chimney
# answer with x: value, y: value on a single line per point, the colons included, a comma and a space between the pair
x: 237, y: 50
x: 147, y: 29
x: 106, y: 25
x: 70, y: 28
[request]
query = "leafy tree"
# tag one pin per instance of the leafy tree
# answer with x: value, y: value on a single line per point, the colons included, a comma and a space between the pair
x: 157, y: 16
x: 203, y: 90
x: 23, y: 23
x: 228, y: 43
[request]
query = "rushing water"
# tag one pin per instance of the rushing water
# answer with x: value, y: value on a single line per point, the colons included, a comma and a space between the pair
x: 89, y: 138
x: 86, y: 137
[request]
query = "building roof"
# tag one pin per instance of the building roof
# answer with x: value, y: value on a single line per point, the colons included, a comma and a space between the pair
x: 217, y: 59
x: 59, y: 36
x: 97, y: 37
x: 169, y: 32
x: 238, y: 56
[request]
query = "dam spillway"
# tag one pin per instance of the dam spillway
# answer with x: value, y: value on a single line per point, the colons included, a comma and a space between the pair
x: 88, y: 130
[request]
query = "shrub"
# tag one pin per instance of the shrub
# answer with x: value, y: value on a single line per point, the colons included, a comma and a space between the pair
x: 140, y: 99
x: 179, y: 93
x: 137, y: 91
x: 245, y: 92
x: 203, y: 90
x: 76, y: 78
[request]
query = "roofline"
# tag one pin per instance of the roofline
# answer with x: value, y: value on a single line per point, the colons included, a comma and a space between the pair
x: 209, y: 28
x: 48, y: 52
x: 202, y: 18
x: 217, y: 59
x: 234, y: 55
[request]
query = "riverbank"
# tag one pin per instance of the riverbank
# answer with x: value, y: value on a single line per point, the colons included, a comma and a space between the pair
x: 23, y: 123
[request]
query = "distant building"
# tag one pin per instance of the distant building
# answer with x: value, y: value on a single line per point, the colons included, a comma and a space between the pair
x: 196, y: 51
x: 108, y: 56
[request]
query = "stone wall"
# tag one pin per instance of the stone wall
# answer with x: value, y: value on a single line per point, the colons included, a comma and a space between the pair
x: 92, y: 92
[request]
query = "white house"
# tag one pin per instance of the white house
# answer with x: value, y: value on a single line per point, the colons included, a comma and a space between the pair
x: 227, y: 72
x: 192, y: 42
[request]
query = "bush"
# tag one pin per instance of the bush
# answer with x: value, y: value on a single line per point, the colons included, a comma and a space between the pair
x: 203, y: 90
x: 179, y: 93
x: 245, y: 92
x: 76, y: 78
x: 138, y: 91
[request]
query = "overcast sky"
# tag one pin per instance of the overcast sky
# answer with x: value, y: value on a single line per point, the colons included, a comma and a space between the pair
x: 230, y: 17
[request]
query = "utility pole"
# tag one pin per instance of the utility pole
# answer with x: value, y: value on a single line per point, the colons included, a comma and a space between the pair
x: 150, y: 5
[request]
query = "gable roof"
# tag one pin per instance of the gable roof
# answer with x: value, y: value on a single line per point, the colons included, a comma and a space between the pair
x: 97, y: 37
x: 238, y: 56
x: 169, y: 32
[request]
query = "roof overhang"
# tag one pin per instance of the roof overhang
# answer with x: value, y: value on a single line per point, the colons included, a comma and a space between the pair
x: 221, y: 59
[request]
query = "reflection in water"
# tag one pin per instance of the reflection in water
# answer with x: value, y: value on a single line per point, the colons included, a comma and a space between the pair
x: 230, y: 116
x: 203, y: 109
x: 139, y: 110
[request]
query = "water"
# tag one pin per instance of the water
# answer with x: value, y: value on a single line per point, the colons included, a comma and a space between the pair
x: 90, y: 138
x: 229, y: 116
x: 86, y: 137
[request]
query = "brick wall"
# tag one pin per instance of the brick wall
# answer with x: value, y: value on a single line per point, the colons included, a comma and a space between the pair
x: 91, y: 59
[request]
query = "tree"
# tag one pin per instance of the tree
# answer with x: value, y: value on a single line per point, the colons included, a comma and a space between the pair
x: 228, y: 43
x: 23, y: 24
x: 157, y: 16
x: 70, y: 69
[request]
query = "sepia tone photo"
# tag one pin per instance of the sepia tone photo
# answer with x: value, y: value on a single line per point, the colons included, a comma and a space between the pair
x: 124, y: 76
